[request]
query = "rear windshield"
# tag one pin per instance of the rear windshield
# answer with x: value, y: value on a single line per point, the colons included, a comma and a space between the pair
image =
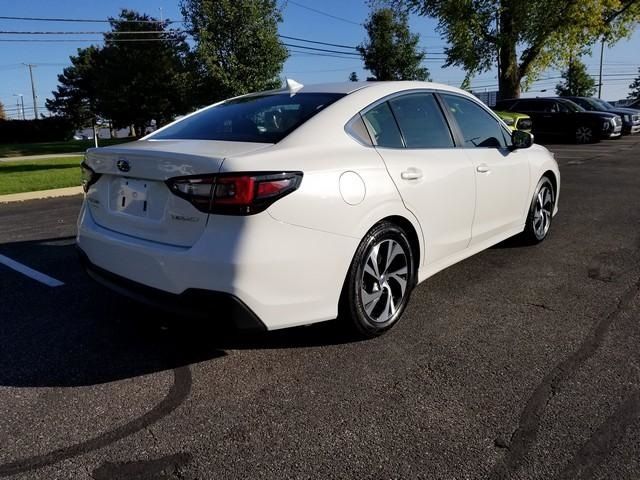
x: 266, y: 118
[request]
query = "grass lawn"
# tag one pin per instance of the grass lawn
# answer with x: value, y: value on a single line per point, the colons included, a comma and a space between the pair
x: 70, y: 146
x: 32, y: 175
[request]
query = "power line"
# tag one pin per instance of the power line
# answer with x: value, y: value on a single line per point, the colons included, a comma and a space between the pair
x: 162, y: 32
x: 302, y: 52
x: 320, y: 49
x: 154, y: 32
x: 345, y: 69
x: 83, y: 40
x: 317, y: 42
x: 85, y: 20
x: 320, y: 12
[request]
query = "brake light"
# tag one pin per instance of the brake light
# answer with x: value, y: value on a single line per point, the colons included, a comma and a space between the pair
x: 195, y: 189
x: 235, y: 194
x: 234, y: 190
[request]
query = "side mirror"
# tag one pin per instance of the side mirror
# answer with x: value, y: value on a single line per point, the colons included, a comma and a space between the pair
x: 521, y: 139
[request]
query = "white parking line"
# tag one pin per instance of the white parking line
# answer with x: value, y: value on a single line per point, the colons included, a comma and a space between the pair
x: 30, y: 272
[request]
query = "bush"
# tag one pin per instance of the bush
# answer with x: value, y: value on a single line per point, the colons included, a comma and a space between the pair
x: 50, y: 129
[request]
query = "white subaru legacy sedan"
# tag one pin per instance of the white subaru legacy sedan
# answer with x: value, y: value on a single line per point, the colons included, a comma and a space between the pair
x: 311, y: 203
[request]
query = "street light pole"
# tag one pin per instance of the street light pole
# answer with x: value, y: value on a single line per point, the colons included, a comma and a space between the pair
x: 20, y: 103
x: 33, y: 90
x: 600, y: 80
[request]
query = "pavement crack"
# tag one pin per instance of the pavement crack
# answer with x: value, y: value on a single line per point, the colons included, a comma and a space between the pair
x: 526, y: 433
x: 603, y: 440
x: 153, y: 436
x: 176, y: 396
x: 540, y: 305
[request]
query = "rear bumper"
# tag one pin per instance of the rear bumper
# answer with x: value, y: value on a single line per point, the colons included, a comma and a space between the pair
x: 285, y: 275
x: 193, y: 303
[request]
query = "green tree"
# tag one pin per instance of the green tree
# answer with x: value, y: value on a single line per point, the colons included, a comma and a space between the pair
x: 635, y: 87
x: 76, y: 96
x: 524, y: 37
x: 391, y: 51
x: 577, y: 82
x: 237, y: 46
x: 353, y: 77
x: 141, y: 81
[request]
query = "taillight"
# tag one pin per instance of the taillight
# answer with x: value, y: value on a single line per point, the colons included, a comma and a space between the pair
x: 235, y: 194
x: 89, y: 177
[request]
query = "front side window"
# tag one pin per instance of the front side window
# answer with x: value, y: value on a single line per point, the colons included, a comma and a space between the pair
x: 585, y: 103
x: 479, y: 129
x: 421, y: 121
x: 382, y: 127
x: 264, y: 118
x: 570, y: 106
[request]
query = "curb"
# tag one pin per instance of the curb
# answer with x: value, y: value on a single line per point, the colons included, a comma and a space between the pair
x: 40, y: 194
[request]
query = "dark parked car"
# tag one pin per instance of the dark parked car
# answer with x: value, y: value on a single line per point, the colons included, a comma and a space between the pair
x: 562, y: 117
x: 630, y: 117
x: 635, y: 104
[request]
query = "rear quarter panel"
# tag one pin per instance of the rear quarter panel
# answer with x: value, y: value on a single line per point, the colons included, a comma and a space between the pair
x: 541, y: 162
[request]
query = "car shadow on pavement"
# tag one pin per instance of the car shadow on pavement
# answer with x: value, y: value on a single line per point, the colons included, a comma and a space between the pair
x: 82, y: 334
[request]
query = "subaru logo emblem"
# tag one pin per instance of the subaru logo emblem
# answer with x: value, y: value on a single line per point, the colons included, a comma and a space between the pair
x: 123, y: 165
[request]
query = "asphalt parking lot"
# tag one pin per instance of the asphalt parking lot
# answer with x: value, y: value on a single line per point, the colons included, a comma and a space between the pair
x: 519, y: 363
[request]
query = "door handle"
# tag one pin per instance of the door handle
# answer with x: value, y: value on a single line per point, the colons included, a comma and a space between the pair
x: 483, y: 168
x: 411, y: 174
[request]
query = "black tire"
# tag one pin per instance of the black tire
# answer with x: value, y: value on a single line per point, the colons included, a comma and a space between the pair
x: 360, y: 282
x: 533, y: 233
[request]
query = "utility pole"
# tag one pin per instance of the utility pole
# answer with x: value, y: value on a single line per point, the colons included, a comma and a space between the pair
x: 571, y: 73
x: 600, y: 80
x: 33, y: 90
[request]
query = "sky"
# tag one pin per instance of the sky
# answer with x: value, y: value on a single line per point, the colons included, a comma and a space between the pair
x: 331, y: 21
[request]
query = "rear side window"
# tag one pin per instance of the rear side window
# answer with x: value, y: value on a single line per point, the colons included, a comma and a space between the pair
x: 421, y: 121
x: 266, y: 118
x: 383, y: 127
x: 478, y: 127
x: 530, y: 105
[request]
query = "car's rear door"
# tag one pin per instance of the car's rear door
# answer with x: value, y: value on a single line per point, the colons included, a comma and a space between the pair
x: 502, y: 175
x: 435, y: 179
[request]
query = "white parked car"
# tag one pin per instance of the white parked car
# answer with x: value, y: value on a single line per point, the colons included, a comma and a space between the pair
x: 311, y: 203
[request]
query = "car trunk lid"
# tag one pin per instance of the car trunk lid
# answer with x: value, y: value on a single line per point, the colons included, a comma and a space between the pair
x: 131, y: 196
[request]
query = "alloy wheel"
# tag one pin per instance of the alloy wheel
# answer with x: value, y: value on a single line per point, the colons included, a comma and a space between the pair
x: 584, y: 135
x: 384, y: 280
x: 542, y: 211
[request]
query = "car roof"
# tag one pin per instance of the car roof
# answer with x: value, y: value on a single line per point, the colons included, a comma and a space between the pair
x: 350, y: 87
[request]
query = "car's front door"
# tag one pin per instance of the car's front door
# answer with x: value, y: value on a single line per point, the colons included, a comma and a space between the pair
x: 502, y: 175
x: 435, y: 179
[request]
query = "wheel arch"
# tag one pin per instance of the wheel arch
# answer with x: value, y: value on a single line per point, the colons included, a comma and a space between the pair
x: 396, y: 213
x: 550, y: 174
x: 412, y: 234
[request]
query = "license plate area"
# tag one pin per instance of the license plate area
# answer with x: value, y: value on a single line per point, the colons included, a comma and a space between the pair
x: 132, y: 198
